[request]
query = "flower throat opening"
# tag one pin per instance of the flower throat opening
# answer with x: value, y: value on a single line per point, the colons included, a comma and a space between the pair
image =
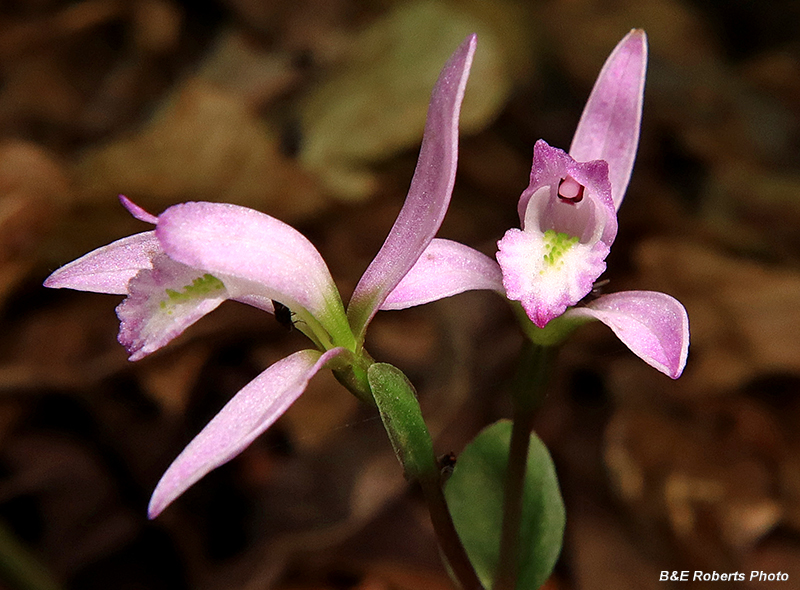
x: 570, y: 190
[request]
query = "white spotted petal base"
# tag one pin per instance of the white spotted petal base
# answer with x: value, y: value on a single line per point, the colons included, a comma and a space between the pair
x: 549, y: 272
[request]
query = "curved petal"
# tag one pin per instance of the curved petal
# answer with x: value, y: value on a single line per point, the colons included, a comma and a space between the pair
x: 244, y: 244
x: 138, y: 212
x: 248, y: 414
x: 445, y: 268
x: 609, y: 127
x: 109, y: 268
x: 653, y: 325
x: 428, y: 197
x: 162, y: 302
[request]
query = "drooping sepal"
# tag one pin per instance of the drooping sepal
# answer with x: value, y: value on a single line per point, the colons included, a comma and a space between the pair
x: 655, y: 326
x: 248, y: 414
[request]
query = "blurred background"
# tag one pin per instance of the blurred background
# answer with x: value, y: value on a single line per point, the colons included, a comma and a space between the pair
x: 312, y: 111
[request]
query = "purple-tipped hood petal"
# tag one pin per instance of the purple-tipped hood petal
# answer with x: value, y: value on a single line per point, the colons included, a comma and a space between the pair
x: 609, y: 127
x: 275, y: 259
x: 445, y: 268
x: 590, y: 219
x: 109, y: 268
x: 653, y: 325
x: 248, y: 414
x: 428, y: 197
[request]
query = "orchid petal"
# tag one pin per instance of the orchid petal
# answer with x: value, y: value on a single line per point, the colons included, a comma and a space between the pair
x: 248, y: 414
x: 547, y: 278
x: 162, y: 302
x: 445, y: 268
x: 653, y: 325
x: 610, y: 123
x: 428, y: 197
x: 138, y: 212
x: 276, y: 260
x: 109, y: 268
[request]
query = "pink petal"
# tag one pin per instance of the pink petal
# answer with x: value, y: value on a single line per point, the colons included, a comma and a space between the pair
x: 162, y: 302
x: 428, y: 197
x: 109, y: 268
x: 243, y: 244
x: 609, y: 127
x: 544, y: 289
x: 137, y: 211
x: 653, y: 325
x: 445, y: 268
x: 248, y: 414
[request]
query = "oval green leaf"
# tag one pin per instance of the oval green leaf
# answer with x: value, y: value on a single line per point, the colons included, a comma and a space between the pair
x: 474, y: 494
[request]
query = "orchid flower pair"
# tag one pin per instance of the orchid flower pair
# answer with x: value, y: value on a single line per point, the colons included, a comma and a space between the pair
x: 200, y: 254
x: 568, y: 217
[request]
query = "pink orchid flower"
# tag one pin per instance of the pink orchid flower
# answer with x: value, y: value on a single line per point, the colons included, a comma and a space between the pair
x: 201, y: 254
x: 568, y: 217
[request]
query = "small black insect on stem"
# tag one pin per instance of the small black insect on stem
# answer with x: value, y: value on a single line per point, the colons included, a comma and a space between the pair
x: 446, y: 464
x: 283, y: 315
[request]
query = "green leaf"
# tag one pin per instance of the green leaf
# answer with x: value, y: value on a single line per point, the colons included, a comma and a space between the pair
x: 474, y: 494
x: 402, y: 418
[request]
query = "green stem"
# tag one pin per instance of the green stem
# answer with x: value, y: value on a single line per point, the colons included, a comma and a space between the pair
x: 402, y: 418
x: 446, y: 533
x: 534, y: 373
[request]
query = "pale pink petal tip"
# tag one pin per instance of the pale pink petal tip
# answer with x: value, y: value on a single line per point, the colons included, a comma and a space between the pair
x: 611, y: 120
x: 445, y: 268
x: 653, y: 325
x: 162, y: 302
x: 248, y: 414
x: 109, y: 268
x: 137, y: 211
